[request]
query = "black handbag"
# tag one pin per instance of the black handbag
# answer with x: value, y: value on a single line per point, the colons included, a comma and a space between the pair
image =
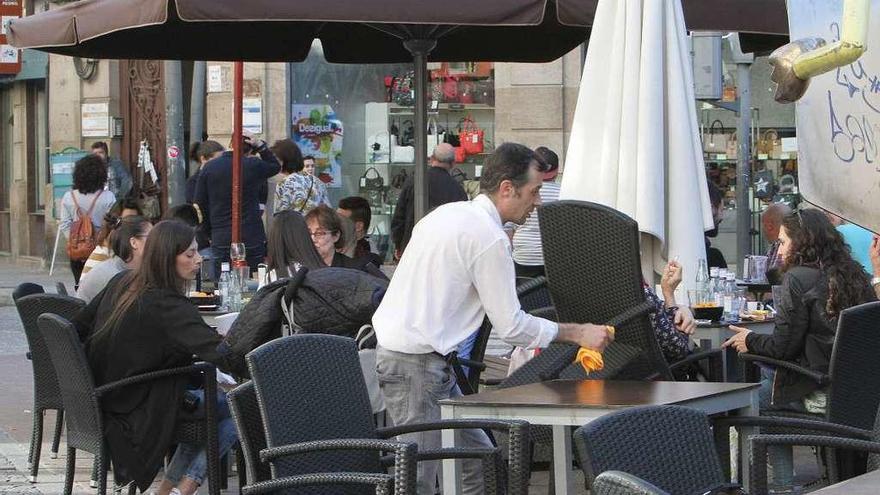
x: 373, y: 188
x: 407, y: 134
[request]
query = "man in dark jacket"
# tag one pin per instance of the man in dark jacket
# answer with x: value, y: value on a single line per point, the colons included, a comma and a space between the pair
x: 442, y: 189
x: 214, y: 199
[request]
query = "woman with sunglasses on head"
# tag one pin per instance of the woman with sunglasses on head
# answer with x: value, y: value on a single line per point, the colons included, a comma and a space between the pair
x: 126, y: 243
x: 820, y: 280
x: 126, y: 207
x: 141, y: 322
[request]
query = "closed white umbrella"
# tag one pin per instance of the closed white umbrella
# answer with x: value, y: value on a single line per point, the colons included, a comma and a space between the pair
x: 634, y: 140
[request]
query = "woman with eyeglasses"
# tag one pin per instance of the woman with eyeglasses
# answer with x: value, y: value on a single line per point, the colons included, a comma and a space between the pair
x: 820, y: 280
x: 127, y: 237
x: 326, y: 232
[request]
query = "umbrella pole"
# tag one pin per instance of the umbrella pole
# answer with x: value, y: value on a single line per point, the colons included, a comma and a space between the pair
x: 420, y: 50
x: 236, y: 151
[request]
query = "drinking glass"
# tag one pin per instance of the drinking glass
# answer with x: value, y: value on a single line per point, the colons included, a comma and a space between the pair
x: 237, y: 252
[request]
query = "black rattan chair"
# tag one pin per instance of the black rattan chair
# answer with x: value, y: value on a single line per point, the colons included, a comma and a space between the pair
x: 853, y: 382
x: 257, y: 477
x: 81, y: 399
x: 592, y: 260
x: 317, y: 380
x: 620, y: 483
x: 31, y: 302
x: 853, y: 440
x: 670, y: 447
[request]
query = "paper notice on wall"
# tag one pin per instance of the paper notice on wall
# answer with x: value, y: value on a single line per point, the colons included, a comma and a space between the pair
x: 252, y: 115
x: 95, y: 119
x: 215, y: 78
x: 838, y: 119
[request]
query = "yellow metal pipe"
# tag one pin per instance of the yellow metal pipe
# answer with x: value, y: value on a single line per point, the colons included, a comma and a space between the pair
x: 853, y: 42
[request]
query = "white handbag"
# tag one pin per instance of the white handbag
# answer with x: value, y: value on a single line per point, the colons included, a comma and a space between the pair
x: 379, y: 147
x: 434, y: 137
x: 403, y: 154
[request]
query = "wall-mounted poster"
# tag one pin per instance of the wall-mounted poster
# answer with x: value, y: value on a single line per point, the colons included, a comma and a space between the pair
x: 318, y: 133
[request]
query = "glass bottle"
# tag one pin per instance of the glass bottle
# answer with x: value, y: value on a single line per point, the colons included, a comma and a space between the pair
x: 223, y: 286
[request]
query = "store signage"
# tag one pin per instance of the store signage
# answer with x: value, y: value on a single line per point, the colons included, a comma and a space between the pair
x: 10, y: 57
x: 838, y: 119
x: 318, y: 132
x: 252, y: 115
x: 95, y: 119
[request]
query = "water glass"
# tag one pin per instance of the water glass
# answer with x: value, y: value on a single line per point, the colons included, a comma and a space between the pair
x: 237, y: 252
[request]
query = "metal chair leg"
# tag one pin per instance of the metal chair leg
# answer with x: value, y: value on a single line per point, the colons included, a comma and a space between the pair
x: 56, y: 440
x: 71, y: 470
x: 36, y: 444
x: 96, y: 467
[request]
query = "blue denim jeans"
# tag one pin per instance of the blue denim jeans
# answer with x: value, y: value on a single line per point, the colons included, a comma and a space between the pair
x: 412, y: 384
x: 780, y: 458
x: 191, y: 460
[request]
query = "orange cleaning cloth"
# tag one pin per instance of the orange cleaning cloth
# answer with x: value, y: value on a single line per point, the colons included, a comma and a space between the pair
x: 590, y: 359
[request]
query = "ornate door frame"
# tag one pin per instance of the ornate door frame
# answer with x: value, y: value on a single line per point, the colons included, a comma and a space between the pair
x: 142, y: 104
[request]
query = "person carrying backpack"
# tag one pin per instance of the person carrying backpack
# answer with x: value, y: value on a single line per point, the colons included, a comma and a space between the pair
x: 82, y: 210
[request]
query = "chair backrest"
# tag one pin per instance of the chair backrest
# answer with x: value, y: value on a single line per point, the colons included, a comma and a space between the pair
x: 545, y: 366
x: 532, y: 298
x: 592, y: 261
x: 310, y: 387
x: 249, y: 423
x: 478, y: 353
x: 46, y: 392
x: 874, y: 459
x: 854, y: 394
x: 82, y: 413
x: 26, y: 289
x: 670, y: 447
x: 620, y: 483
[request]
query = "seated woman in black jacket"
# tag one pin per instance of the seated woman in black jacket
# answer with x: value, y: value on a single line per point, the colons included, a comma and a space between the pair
x: 141, y: 322
x: 820, y: 280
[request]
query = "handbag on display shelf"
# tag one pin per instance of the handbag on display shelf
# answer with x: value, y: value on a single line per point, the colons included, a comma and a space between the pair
x: 378, y: 147
x: 372, y: 187
x: 435, y: 135
x: 407, y: 134
x: 460, y: 154
x: 715, y: 141
x: 732, y: 148
x: 466, y: 91
x: 403, y: 154
x: 769, y: 144
x: 471, y: 137
x: 403, y: 90
x: 397, y: 182
x: 450, y: 89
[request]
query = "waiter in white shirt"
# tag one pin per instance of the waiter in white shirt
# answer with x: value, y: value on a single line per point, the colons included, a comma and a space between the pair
x: 457, y: 268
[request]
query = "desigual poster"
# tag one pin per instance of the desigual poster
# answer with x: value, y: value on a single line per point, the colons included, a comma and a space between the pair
x: 318, y: 133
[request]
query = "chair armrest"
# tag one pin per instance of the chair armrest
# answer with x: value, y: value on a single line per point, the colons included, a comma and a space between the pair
x: 820, y: 378
x: 532, y: 285
x: 697, y: 357
x: 384, y: 483
x: 518, y: 443
x: 619, y: 483
x: 801, y: 424
x: 521, y: 427
x: 758, y: 448
x: 400, y: 449
x: 207, y: 368
x: 491, y: 381
x: 470, y: 363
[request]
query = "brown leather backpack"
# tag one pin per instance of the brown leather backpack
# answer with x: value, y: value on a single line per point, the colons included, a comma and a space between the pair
x: 82, y: 239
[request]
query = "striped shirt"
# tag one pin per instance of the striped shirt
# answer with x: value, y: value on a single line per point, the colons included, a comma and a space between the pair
x: 527, y: 238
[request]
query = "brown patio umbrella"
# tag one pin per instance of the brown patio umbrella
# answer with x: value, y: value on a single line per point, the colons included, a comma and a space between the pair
x: 352, y: 31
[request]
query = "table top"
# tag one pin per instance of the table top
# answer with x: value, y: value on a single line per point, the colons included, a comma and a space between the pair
x: 599, y: 394
x: 741, y: 323
x: 866, y: 484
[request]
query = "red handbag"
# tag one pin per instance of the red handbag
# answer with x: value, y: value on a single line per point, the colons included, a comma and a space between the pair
x: 450, y: 89
x: 460, y: 153
x: 471, y: 137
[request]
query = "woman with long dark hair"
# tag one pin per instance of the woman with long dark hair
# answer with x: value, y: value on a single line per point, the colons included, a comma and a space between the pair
x: 290, y: 246
x: 143, y: 322
x: 820, y: 280
x: 125, y: 207
x: 126, y: 241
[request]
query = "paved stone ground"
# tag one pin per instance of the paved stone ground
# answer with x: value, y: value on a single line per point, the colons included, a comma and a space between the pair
x: 16, y: 402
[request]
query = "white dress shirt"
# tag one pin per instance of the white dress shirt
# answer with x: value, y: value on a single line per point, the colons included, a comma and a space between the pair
x: 456, y: 269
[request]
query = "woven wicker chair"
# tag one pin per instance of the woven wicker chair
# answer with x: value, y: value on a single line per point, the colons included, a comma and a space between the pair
x: 81, y: 399
x: 317, y: 380
x: 670, y: 447
x: 592, y: 260
x: 30, y: 304
x: 853, y: 382
x: 853, y: 440
x: 620, y: 483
